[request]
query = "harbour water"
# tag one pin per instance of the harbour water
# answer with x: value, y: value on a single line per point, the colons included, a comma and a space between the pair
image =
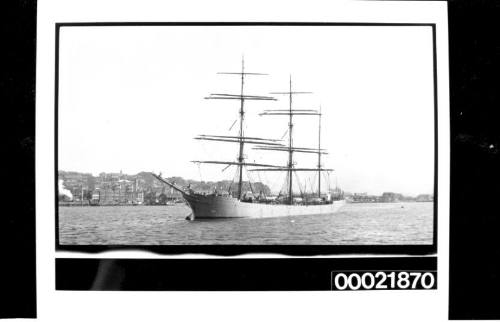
x: 355, y: 224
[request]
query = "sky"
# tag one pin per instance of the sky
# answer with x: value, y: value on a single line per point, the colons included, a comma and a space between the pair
x: 132, y: 99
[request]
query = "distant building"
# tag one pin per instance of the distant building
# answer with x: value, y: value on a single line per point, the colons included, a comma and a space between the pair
x: 96, y: 196
x: 424, y: 198
x: 140, y: 197
x: 141, y: 188
x: 364, y: 197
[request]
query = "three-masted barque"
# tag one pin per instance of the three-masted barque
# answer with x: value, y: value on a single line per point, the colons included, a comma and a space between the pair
x: 237, y: 204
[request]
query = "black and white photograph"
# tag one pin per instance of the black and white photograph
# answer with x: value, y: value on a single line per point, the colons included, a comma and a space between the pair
x: 252, y: 161
x: 246, y: 134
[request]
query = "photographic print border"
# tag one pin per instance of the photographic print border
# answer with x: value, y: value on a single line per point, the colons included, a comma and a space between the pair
x: 227, y: 250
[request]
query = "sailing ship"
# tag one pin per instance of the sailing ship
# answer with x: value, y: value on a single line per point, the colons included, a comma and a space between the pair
x: 237, y: 204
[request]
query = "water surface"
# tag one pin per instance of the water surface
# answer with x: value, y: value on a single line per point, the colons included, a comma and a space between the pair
x: 354, y: 224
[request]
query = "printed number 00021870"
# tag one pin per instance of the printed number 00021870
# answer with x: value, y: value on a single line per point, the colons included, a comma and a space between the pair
x: 383, y: 280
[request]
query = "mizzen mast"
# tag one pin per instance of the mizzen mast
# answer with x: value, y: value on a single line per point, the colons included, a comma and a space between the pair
x: 319, y: 153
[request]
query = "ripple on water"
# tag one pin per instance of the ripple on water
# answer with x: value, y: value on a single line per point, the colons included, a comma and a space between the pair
x: 355, y: 224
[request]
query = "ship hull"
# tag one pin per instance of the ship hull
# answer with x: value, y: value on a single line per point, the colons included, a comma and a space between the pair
x: 213, y: 207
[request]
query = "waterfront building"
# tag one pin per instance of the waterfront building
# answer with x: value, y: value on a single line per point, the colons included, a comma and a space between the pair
x: 391, y: 197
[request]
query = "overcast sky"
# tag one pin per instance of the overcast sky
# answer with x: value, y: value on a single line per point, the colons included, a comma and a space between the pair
x: 132, y: 99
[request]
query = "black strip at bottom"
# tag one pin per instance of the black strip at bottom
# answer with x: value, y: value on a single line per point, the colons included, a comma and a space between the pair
x: 278, y: 274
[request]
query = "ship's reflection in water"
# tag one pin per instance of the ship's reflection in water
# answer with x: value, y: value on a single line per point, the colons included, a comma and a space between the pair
x: 354, y: 224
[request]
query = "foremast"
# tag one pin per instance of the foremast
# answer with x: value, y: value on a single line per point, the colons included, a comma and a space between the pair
x: 241, y: 139
x: 242, y: 117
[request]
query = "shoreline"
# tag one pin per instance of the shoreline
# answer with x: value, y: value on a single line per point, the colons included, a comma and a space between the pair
x: 182, y: 203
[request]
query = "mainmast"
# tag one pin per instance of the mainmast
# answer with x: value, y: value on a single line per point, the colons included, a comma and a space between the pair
x: 290, y: 168
x: 291, y: 149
